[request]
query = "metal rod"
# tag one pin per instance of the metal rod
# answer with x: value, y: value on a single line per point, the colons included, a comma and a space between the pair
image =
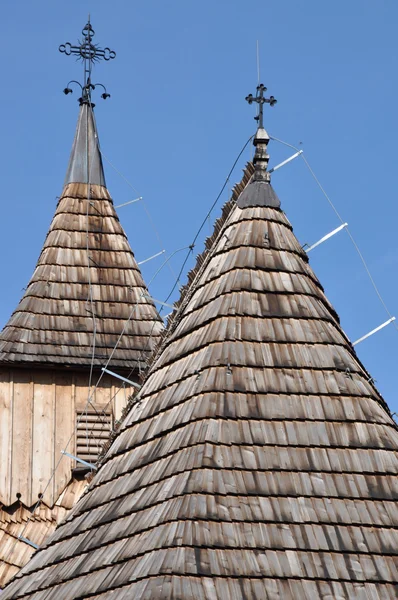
x: 258, y: 63
x: 136, y: 385
x: 374, y: 331
x: 24, y: 539
x: 158, y: 301
x: 151, y: 257
x: 326, y: 237
x: 282, y: 164
x: 168, y: 315
x: 79, y: 460
x: 129, y: 202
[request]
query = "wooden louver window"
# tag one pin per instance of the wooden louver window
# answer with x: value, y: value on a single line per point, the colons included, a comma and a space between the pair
x: 93, y: 431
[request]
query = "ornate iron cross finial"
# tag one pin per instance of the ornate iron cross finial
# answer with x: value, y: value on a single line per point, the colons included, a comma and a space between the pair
x: 88, y: 53
x: 259, y: 98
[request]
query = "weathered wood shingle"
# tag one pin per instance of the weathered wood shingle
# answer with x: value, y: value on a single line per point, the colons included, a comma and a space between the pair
x: 259, y: 461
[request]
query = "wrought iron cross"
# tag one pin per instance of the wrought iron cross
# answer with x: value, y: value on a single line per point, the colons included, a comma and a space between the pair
x: 88, y: 53
x: 259, y: 98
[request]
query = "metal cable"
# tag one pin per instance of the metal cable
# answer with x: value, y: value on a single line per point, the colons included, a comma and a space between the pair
x: 342, y: 222
x: 150, y: 219
x: 90, y: 298
x: 143, y: 350
x: 191, y: 247
x: 39, y: 502
x: 90, y: 294
x: 190, y: 250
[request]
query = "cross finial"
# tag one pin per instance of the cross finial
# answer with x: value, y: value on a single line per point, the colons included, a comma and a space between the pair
x: 259, y: 98
x: 88, y: 53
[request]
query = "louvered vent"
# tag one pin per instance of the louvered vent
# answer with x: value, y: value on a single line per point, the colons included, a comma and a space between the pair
x: 93, y: 431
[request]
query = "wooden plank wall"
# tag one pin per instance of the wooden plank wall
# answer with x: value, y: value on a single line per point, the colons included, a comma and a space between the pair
x: 37, y: 418
x: 6, y: 393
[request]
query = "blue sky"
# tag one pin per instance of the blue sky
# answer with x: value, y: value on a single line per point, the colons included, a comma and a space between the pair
x: 177, y: 120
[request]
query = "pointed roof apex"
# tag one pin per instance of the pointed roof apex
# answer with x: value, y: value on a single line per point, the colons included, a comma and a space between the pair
x: 261, y: 136
x: 259, y: 191
x: 85, y: 163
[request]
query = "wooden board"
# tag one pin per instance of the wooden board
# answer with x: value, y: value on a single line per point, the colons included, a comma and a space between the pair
x: 6, y: 426
x: 43, y: 434
x: 22, y: 438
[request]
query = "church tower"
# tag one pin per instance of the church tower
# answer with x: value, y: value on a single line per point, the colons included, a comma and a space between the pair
x: 85, y: 308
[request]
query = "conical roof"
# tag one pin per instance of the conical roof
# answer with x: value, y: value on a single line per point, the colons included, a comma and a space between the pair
x: 259, y: 460
x: 86, y: 277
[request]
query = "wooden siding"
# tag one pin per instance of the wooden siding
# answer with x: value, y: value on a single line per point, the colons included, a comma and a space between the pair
x: 37, y: 418
x: 39, y: 410
x: 259, y: 460
x: 53, y: 324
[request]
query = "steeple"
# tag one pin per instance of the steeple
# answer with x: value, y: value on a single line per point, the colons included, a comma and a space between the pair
x: 259, y: 460
x: 85, y: 305
x: 86, y: 267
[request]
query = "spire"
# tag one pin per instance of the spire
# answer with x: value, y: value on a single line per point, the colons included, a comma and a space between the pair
x: 85, y: 163
x: 54, y: 308
x: 258, y: 194
x: 85, y: 306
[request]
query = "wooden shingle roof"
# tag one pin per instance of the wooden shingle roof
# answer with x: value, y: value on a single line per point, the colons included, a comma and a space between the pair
x: 15, y: 552
x: 86, y: 266
x: 259, y: 460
